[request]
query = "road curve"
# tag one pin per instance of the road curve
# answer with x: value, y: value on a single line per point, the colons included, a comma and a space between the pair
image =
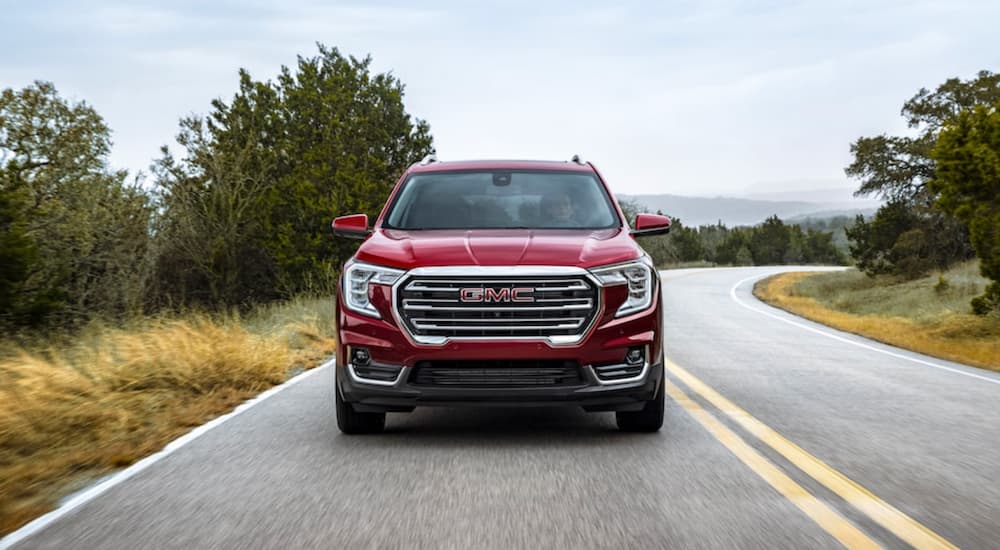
x: 917, y: 438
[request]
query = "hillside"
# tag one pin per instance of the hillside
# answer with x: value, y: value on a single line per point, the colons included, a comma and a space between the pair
x: 694, y: 211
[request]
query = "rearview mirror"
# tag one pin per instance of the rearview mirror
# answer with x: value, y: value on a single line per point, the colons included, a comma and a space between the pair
x: 650, y: 224
x: 354, y: 226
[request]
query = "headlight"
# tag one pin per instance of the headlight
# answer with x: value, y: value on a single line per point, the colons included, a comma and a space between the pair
x: 638, y: 275
x: 358, y: 277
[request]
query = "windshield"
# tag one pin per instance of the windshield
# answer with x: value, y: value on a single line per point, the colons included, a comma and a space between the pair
x: 501, y: 200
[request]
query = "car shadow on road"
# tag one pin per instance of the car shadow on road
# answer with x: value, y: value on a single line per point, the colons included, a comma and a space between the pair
x: 442, y: 426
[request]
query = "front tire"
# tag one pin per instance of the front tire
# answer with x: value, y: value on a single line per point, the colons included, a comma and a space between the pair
x: 649, y: 419
x: 353, y: 422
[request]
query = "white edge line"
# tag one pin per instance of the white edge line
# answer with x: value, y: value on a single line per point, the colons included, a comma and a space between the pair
x: 87, y: 495
x: 732, y: 294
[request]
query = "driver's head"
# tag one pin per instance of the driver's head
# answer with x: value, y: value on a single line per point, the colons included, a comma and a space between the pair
x: 557, y: 206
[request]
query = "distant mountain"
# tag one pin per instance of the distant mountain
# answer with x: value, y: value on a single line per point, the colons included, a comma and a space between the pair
x: 824, y: 195
x: 694, y: 211
x: 827, y: 214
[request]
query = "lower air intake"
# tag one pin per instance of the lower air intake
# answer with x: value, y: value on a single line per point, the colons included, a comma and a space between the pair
x: 496, y: 374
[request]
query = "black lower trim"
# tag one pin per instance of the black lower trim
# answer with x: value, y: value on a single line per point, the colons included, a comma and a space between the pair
x: 496, y: 373
x: 589, y: 393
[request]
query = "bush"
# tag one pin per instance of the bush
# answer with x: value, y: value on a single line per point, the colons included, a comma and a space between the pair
x: 989, y: 302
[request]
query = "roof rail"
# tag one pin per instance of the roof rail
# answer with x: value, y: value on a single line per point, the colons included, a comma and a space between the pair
x: 576, y: 159
x: 429, y: 159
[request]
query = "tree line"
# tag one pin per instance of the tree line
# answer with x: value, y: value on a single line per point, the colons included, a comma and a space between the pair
x: 941, y: 186
x: 772, y: 242
x: 239, y: 215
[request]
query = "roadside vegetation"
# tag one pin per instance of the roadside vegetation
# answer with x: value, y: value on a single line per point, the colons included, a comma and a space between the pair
x: 941, y: 184
x: 72, y: 413
x: 931, y: 314
x: 928, y: 261
x: 136, y: 306
x: 236, y: 213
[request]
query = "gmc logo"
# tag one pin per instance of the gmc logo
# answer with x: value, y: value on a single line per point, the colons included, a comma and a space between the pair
x: 480, y: 294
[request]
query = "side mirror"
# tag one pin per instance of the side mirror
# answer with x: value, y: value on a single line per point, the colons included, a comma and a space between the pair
x: 354, y: 226
x: 650, y: 224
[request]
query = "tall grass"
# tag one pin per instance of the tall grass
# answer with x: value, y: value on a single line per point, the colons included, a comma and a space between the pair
x: 931, y: 315
x: 72, y: 413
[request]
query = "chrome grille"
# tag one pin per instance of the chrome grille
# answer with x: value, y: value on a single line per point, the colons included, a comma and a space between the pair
x: 560, y: 306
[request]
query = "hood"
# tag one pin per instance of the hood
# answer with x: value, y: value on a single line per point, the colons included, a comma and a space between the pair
x: 563, y: 247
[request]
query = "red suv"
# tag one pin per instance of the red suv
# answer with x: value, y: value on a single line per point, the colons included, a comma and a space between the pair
x: 499, y: 283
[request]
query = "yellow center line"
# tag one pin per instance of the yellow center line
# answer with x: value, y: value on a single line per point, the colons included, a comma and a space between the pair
x: 903, y: 526
x: 824, y: 516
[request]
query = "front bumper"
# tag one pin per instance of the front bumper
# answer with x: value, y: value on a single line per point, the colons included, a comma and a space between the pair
x: 605, y: 344
x: 591, y: 394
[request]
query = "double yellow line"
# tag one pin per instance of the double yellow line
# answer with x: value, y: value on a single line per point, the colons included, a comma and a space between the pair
x: 895, y: 521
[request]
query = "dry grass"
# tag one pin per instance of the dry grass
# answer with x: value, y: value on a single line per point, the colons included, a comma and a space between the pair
x: 69, y: 415
x: 930, y: 315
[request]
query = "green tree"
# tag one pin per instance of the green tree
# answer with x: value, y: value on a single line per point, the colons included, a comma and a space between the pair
x: 835, y: 225
x: 711, y: 238
x: 967, y: 181
x: 798, y: 248
x: 17, y: 254
x: 273, y: 166
x: 769, y: 242
x: 743, y: 256
x: 735, y: 249
x: 899, y: 168
x: 819, y: 248
x: 873, y: 242
x: 86, y: 223
x: 210, y: 230
x: 686, y: 241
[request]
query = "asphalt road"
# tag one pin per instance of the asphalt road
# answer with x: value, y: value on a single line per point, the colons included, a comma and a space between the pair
x: 777, y: 436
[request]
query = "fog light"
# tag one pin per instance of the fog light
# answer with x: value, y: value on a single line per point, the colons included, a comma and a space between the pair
x: 634, y: 356
x: 360, y: 356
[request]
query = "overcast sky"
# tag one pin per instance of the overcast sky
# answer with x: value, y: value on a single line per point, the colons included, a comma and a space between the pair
x: 691, y: 97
